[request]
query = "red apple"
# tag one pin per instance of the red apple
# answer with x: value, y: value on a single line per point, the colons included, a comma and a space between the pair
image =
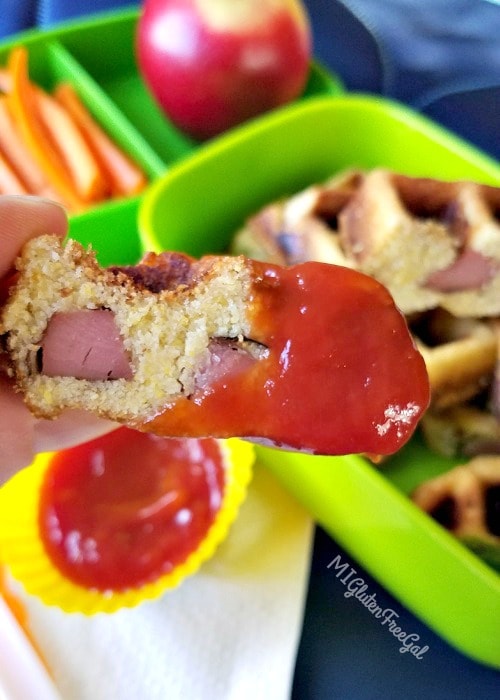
x: 212, y: 64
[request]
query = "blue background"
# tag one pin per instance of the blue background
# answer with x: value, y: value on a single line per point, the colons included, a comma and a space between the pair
x: 442, y: 57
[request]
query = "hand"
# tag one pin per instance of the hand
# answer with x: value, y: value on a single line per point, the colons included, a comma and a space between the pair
x: 21, y: 434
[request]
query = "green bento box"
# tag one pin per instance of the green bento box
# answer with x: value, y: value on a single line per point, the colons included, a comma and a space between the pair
x: 199, y: 204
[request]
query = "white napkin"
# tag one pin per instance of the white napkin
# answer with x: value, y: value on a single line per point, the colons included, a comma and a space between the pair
x: 228, y: 633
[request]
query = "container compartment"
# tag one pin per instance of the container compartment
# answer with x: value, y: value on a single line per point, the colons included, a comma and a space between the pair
x: 97, y: 56
x: 113, y: 67
x: 366, y: 509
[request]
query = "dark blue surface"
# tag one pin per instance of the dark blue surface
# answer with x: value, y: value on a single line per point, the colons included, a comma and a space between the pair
x: 473, y: 114
x: 347, y: 654
x: 442, y: 57
x: 439, y: 56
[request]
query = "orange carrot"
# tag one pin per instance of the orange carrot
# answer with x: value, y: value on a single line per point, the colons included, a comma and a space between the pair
x: 20, y: 157
x: 85, y: 172
x: 125, y: 176
x: 9, y: 182
x: 67, y: 139
x: 22, y: 105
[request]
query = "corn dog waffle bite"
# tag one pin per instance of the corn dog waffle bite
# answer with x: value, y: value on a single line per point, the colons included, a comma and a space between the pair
x: 462, y: 360
x: 217, y: 347
x: 433, y: 243
x: 464, y: 422
x: 466, y: 501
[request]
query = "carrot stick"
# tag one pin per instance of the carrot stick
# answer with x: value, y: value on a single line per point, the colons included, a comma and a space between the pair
x: 22, y: 104
x: 125, y: 176
x: 20, y: 157
x: 85, y: 172
x: 9, y: 182
x: 88, y: 179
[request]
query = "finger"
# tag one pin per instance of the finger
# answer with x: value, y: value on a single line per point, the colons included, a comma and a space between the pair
x: 22, y: 218
x: 69, y: 429
x: 22, y: 435
x: 16, y: 432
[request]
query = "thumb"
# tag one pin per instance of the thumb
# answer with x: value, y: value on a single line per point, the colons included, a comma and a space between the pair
x: 22, y: 218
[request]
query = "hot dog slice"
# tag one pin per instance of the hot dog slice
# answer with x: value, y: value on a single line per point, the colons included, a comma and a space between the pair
x: 85, y: 344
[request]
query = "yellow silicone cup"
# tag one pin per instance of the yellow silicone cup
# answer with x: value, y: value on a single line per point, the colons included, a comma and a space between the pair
x: 23, y: 552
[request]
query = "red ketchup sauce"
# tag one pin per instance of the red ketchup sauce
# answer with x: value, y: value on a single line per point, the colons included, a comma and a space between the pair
x: 122, y: 510
x: 342, y: 374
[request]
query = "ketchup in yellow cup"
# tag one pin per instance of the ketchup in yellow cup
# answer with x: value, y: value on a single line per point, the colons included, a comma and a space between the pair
x: 126, y: 508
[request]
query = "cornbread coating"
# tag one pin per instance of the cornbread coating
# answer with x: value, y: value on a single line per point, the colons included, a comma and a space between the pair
x: 166, y: 334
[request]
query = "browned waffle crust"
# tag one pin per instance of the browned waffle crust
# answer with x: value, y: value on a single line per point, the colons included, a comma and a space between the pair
x: 399, y: 229
x: 460, y: 500
x: 166, y: 314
